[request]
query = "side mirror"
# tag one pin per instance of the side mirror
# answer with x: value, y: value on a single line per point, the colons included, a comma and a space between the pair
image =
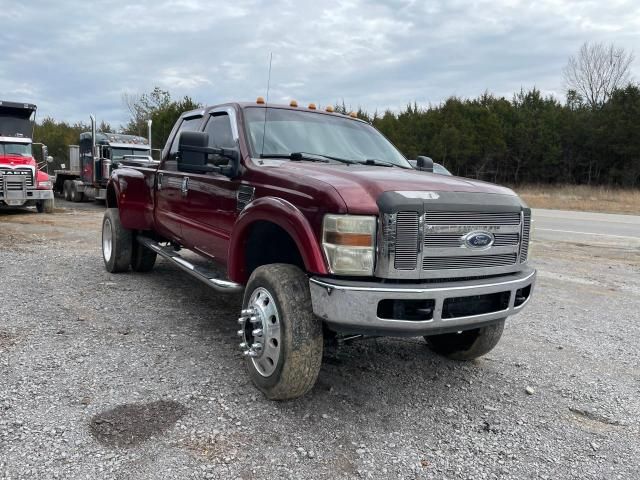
x: 425, y: 164
x: 194, y: 152
x: 45, y: 153
x: 49, y: 159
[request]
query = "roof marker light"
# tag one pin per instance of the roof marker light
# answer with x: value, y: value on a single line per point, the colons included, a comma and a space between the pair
x: 312, y: 106
x: 353, y: 114
x: 329, y: 108
x: 293, y: 103
x: 260, y: 100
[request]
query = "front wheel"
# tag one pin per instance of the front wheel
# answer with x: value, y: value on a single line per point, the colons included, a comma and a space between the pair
x: 117, y: 242
x: 468, y: 344
x: 281, y: 337
x: 45, y: 206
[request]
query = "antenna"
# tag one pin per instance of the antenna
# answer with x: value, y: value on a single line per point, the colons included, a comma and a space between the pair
x: 266, y: 105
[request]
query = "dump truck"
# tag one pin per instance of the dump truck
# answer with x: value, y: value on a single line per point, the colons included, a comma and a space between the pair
x: 23, y: 182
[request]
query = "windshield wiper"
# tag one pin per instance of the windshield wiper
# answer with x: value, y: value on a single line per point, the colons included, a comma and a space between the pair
x: 380, y: 163
x: 311, y: 157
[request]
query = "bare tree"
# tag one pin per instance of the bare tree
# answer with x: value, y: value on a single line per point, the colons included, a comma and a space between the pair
x: 597, y: 71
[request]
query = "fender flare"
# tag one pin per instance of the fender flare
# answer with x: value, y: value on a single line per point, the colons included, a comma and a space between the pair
x: 286, y: 216
x: 136, y: 204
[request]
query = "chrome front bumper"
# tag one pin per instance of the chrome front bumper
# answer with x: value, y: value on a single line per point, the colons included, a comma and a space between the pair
x: 353, y: 307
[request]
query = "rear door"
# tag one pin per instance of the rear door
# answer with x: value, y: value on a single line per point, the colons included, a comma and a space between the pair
x: 170, y: 185
x: 211, y: 206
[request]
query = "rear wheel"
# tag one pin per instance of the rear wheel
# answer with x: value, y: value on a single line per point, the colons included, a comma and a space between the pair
x: 75, y: 195
x: 142, y: 259
x: 117, y: 242
x: 282, y: 338
x: 468, y: 344
x: 66, y: 190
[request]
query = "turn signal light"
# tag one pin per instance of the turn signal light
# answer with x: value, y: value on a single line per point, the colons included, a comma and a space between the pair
x: 260, y: 100
x: 349, y: 239
x: 293, y: 103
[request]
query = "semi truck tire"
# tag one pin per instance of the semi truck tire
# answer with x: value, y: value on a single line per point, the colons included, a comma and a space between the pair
x: 468, y: 344
x: 277, y: 314
x: 45, y: 206
x: 142, y: 259
x: 66, y: 190
x: 117, y: 242
x: 76, y: 196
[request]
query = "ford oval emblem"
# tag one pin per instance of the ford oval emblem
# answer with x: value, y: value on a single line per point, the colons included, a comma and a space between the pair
x: 479, y: 240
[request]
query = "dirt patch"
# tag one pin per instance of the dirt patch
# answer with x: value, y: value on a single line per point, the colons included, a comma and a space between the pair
x: 130, y: 424
x: 593, y: 421
x: 7, y: 340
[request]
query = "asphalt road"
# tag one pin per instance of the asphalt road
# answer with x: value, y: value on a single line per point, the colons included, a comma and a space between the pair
x: 586, y: 227
x: 138, y: 376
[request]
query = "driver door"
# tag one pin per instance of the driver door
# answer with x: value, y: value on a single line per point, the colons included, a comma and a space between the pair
x: 210, y: 201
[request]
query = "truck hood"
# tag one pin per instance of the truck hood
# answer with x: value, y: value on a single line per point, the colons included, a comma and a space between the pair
x: 360, y: 185
x: 14, y: 160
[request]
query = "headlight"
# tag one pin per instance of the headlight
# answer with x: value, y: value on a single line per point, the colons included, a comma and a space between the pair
x: 45, y: 185
x: 349, y: 243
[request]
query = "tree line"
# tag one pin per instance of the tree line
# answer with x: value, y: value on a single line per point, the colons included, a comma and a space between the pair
x: 527, y: 139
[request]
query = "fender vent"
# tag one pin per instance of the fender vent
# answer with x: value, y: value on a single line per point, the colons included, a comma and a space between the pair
x: 244, y: 196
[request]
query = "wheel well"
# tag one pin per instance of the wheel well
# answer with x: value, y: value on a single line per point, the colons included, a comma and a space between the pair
x: 269, y: 243
x: 112, y: 201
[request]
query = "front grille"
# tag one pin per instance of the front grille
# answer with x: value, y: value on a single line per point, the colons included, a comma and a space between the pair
x: 463, y: 262
x: 10, y: 172
x: 406, y: 247
x: 526, y: 230
x: 12, y: 184
x: 472, y: 218
x: 433, y: 245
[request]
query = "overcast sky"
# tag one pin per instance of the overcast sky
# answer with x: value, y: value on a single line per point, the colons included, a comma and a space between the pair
x: 73, y: 58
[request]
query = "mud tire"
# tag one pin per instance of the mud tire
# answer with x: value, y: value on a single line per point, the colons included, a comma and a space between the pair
x: 467, y: 345
x: 301, y: 332
x: 117, y: 257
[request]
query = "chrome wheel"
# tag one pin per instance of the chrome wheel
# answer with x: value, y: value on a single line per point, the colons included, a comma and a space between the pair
x: 107, y: 236
x: 260, y: 331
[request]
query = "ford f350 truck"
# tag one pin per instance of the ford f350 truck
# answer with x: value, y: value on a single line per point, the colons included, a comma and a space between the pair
x: 22, y: 182
x: 327, y: 229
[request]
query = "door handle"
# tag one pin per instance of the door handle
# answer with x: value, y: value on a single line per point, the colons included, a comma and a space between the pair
x: 185, y: 186
x: 159, y: 181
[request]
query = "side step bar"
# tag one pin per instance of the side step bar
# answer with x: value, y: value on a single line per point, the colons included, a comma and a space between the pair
x: 200, y: 273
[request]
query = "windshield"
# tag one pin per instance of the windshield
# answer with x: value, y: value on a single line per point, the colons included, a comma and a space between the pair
x: 119, y: 153
x: 291, y: 131
x: 20, y: 149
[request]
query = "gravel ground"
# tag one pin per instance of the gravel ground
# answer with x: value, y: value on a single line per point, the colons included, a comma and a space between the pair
x: 138, y: 376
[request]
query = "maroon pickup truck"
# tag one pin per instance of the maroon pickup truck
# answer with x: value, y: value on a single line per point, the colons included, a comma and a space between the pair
x: 328, y: 230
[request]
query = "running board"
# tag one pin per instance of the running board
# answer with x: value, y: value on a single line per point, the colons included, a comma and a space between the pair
x: 200, y: 273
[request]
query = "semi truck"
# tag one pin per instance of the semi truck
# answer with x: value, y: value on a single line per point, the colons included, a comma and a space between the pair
x: 22, y: 180
x: 329, y: 231
x: 93, y: 159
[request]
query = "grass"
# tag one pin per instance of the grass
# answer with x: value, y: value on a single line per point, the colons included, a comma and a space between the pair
x: 581, y: 197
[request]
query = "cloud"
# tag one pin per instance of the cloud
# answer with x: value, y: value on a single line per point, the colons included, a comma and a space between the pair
x: 74, y: 57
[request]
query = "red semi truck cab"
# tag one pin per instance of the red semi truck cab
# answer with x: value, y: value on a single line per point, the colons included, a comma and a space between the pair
x: 329, y: 231
x: 22, y: 183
